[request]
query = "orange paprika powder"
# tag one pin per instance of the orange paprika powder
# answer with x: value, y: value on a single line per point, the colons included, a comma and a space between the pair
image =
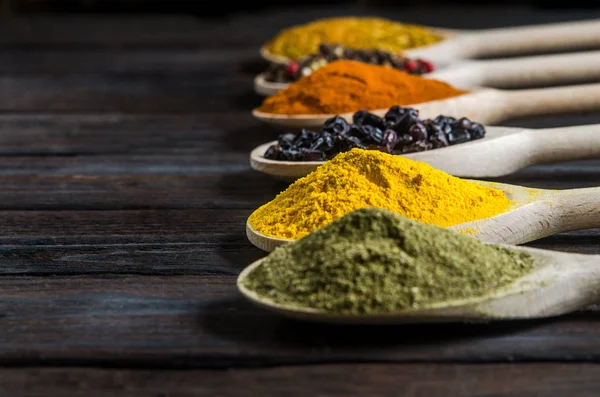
x: 347, y: 86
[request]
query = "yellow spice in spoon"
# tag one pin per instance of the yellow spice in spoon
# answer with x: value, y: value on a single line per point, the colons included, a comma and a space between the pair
x: 359, y: 33
x: 369, y: 178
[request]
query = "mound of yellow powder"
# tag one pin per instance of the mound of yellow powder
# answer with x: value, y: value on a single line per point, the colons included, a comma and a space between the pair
x: 369, y: 178
x: 354, y: 32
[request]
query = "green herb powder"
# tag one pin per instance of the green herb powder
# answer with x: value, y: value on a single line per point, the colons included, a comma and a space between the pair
x: 375, y: 261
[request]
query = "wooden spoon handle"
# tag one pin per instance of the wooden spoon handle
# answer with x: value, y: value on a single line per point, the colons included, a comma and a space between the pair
x: 550, y: 213
x: 523, y: 71
x: 556, y: 100
x: 536, y: 38
x: 550, y: 145
x: 575, y: 209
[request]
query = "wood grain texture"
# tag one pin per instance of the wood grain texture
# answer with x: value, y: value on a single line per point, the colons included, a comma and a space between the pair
x: 200, y: 321
x: 145, y: 60
x: 121, y: 134
x: 47, y: 243
x: 124, y: 92
x: 334, y: 380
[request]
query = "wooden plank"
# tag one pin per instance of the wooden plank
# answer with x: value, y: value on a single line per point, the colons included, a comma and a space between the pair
x: 201, y: 321
x: 334, y: 380
x: 240, y: 30
x: 218, y: 189
x: 168, y: 242
x: 208, y: 134
x: 159, y: 93
x: 55, y: 62
x: 104, y: 31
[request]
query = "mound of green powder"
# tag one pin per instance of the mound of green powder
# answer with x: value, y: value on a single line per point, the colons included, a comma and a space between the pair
x: 375, y: 261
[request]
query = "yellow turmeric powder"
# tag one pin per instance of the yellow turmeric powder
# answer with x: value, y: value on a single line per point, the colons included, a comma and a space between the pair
x: 369, y: 178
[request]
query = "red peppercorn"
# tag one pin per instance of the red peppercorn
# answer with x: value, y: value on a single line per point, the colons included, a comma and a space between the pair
x: 292, y: 68
x: 427, y: 66
x: 411, y: 66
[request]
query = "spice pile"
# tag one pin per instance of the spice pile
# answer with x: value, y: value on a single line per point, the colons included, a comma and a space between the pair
x: 366, y: 33
x: 400, y: 131
x: 293, y: 70
x: 347, y: 86
x: 374, y: 261
x: 369, y: 178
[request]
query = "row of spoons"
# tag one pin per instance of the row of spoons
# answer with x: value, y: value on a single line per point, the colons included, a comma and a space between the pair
x: 500, y: 73
x: 561, y: 282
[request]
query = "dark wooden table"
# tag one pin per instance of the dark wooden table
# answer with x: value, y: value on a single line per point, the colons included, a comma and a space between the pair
x: 124, y: 189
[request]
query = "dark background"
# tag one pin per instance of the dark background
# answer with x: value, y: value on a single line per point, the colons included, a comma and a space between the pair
x: 220, y: 9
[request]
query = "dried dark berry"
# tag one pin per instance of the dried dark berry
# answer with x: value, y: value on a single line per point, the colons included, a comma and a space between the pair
x: 325, y: 49
x: 390, y: 137
x: 458, y: 136
x: 363, y: 117
x: 358, y: 117
x: 403, y: 140
x: 427, y: 66
x: 357, y: 132
x: 375, y: 134
x: 463, y: 123
x: 336, y: 125
x: 411, y: 66
x: 305, y: 137
x: 444, y: 120
x: 273, y: 152
x: 320, y: 144
x: 418, y: 132
x: 292, y: 69
x: 401, y: 131
x: 342, y: 144
x: 438, y: 140
x: 477, y: 131
x: 286, y: 140
x: 396, y: 114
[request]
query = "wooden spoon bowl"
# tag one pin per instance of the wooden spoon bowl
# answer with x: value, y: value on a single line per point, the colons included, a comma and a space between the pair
x: 535, y: 214
x: 560, y: 283
x: 466, y: 44
x: 484, y: 105
x: 503, y: 151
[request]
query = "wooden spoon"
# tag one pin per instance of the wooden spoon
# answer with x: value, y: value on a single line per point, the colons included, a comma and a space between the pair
x: 502, y: 151
x: 559, y: 283
x: 501, y: 73
x: 537, y: 213
x: 465, y: 44
x: 484, y: 105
